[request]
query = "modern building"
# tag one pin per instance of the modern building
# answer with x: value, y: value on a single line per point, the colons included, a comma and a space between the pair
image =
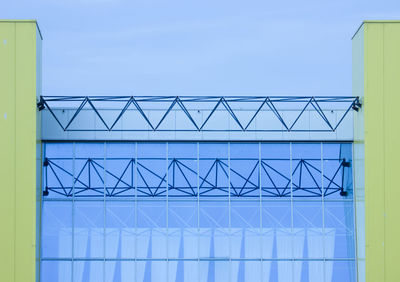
x: 200, y: 188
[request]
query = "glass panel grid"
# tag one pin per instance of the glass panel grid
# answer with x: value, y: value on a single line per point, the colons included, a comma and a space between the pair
x: 198, y: 212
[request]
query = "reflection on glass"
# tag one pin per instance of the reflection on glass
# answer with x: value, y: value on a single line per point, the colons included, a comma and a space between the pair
x: 198, y: 212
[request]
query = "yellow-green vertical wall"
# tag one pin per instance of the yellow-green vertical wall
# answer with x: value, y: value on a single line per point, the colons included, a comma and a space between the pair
x: 381, y: 90
x: 18, y: 146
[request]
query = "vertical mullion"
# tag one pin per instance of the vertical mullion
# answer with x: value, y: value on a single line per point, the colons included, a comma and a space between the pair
x: 354, y: 206
x: 167, y: 205
x: 229, y: 211
x: 198, y: 212
x: 291, y: 208
x: 42, y: 155
x: 73, y: 211
x: 104, y: 209
x: 323, y: 211
x: 136, y: 210
x: 260, y: 208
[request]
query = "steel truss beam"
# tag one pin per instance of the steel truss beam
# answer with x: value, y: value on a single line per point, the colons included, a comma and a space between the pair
x: 96, y: 177
x: 188, y: 105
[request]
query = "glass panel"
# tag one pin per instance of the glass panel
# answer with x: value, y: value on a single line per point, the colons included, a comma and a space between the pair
x: 120, y: 230
x: 120, y: 170
x: 56, y: 271
x: 245, y: 171
x: 88, y: 271
x: 143, y: 271
x: 89, y: 229
x: 123, y: 271
x: 338, y: 171
x: 57, y: 230
x: 339, y: 230
x: 183, y: 241
x: 211, y: 270
x: 314, y: 270
x: 276, y: 228
x: 182, y: 170
x: 214, y: 171
x: 151, y: 230
x: 306, y: 170
x: 308, y: 229
x: 158, y: 271
x: 151, y: 170
x: 250, y: 271
x: 58, y: 169
x: 245, y: 229
x: 275, y: 170
x: 89, y: 170
x: 340, y: 271
x: 212, y: 227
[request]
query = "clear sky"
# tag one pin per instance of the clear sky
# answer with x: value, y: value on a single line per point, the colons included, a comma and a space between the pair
x: 198, y: 47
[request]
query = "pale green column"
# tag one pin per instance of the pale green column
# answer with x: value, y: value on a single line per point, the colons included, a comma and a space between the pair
x: 19, y: 68
x: 376, y: 77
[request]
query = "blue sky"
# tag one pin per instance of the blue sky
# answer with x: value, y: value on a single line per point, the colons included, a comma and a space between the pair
x: 198, y: 47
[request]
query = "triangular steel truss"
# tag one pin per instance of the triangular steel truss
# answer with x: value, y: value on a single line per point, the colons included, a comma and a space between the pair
x: 142, y: 178
x: 189, y: 105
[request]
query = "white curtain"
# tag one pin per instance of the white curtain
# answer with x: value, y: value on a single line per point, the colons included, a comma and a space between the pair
x: 236, y: 237
x: 315, y: 243
x: 174, y: 244
x: 64, y: 250
x: 298, y: 248
x: 329, y: 252
x: 252, y: 249
x: 227, y: 242
x: 204, y: 252
x: 321, y: 243
x: 267, y: 245
x: 158, y: 251
x: 290, y: 244
x: 80, y: 248
x: 221, y: 250
x: 127, y: 271
x: 142, y: 247
x: 128, y: 251
x: 112, y: 244
x: 190, y: 250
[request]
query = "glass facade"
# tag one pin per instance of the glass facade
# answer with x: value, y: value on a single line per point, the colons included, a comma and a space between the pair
x: 197, y: 211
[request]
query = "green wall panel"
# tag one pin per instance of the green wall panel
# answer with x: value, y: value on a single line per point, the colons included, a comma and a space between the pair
x: 381, y: 90
x: 18, y: 141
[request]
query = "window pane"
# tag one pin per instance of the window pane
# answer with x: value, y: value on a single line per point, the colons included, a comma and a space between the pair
x: 245, y: 170
x: 120, y: 230
x: 276, y: 222
x: 89, y: 229
x: 308, y: 229
x: 56, y: 271
x: 120, y: 170
x: 57, y: 229
x: 151, y: 229
x: 214, y: 229
x: 245, y: 229
x: 214, y: 171
x: 275, y: 170
x: 88, y: 271
x: 306, y: 170
x: 339, y: 230
x: 183, y: 235
x: 151, y: 170
x: 182, y: 170
x: 210, y: 225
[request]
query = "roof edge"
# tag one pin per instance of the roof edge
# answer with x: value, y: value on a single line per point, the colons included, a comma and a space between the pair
x: 24, y: 21
x: 373, y: 21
